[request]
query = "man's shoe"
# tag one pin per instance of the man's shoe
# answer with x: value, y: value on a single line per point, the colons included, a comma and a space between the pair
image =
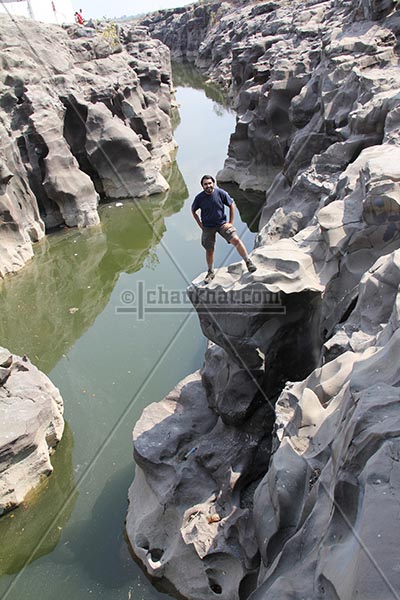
x: 210, y: 276
x: 251, y: 267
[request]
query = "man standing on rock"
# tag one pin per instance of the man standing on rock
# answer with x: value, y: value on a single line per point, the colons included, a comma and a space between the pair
x: 211, y: 202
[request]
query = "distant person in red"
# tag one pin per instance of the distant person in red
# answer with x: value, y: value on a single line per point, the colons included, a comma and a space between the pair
x: 79, y: 17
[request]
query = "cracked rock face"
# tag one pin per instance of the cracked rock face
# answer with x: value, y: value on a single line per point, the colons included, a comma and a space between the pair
x: 31, y: 424
x: 84, y: 115
x: 301, y: 405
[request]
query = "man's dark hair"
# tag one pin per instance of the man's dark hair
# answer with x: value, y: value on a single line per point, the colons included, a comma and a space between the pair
x: 207, y: 177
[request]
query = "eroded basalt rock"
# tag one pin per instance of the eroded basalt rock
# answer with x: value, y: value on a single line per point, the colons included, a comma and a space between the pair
x: 201, y: 451
x: 31, y: 424
x: 338, y: 452
x: 20, y: 222
x: 301, y: 83
x: 258, y: 319
x: 84, y: 114
x: 192, y: 514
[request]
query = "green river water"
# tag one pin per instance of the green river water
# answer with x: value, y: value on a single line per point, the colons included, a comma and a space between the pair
x: 62, y: 311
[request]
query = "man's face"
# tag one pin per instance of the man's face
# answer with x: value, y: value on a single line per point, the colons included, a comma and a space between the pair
x: 208, y: 186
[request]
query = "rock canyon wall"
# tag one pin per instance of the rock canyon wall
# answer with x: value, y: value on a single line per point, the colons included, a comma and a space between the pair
x: 274, y: 471
x: 84, y: 114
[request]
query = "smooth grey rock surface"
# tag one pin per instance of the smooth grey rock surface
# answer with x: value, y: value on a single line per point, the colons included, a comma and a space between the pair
x: 292, y: 71
x: 184, y: 499
x: 31, y: 424
x: 338, y: 453
x: 84, y: 116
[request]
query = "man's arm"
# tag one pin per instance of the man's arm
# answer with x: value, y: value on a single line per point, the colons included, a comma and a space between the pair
x: 231, y: 212
x: 228, y: 201
x: 197, y: 219
x: 231, y: 216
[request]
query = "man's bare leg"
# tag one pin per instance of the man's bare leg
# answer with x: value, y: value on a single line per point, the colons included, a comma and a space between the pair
x: 240, y: 247
x: 210, y: 259
x: 210, y: 262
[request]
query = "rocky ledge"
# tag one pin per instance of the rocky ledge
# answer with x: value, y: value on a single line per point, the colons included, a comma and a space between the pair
x: 84, y: 114
x: 31, y: 424
x: 273, y: 473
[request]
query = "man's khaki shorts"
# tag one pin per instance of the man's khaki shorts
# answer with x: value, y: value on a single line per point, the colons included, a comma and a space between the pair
x: 208, y: 235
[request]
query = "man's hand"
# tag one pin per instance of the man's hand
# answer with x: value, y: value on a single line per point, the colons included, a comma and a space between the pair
x: 226, y: 225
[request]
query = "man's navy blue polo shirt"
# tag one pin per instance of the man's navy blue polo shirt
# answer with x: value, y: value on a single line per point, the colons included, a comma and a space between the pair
x: 212, y: 207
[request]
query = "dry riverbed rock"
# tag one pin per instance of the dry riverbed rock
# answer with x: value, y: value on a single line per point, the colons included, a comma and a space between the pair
x: 338, y: 454
x: 31, y: 424
x: 184, y: 500
x: 84, y: 115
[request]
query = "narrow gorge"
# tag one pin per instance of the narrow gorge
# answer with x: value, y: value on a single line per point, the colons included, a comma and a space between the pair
x: 63, y: 502
x: 273, y: 472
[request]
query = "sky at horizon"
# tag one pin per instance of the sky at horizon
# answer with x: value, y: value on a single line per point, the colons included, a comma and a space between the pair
x: 97, y: 9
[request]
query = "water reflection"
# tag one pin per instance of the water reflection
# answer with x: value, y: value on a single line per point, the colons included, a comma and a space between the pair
x: 71, y: 278
x: 83, y: 536
x: 185, y: 75
x: 249, y: 203
x: 34, y: 529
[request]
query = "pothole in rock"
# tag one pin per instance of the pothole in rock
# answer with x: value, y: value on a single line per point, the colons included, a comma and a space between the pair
x: 156, y: 554
x: 215, y: 587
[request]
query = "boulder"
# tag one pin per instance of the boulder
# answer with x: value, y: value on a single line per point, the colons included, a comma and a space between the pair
x: 192, y: 514
x: 31, y: 424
